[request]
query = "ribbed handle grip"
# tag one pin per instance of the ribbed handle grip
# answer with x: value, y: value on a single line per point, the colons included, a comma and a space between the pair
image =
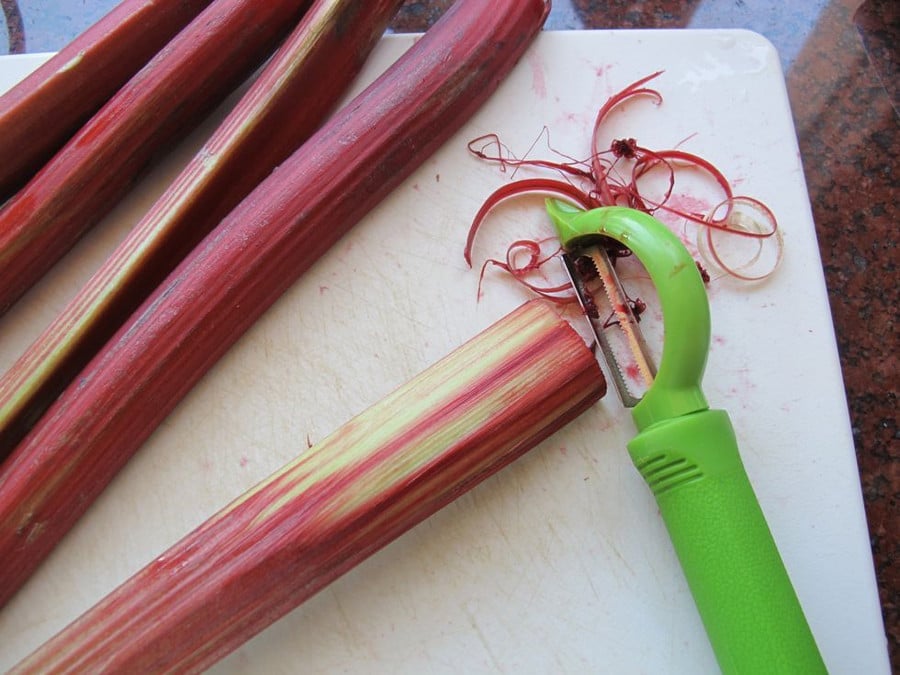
x: 738, y: 580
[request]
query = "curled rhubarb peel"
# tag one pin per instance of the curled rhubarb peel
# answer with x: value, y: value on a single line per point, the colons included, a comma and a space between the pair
x: 598, y: 181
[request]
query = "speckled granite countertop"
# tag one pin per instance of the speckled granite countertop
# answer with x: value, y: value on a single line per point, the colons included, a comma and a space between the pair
x: 842, y: 81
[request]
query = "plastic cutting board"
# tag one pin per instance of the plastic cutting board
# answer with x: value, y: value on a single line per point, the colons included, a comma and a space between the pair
x: 560, y: 563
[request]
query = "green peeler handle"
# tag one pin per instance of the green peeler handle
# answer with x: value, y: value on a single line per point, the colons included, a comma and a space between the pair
x: 736, y: 576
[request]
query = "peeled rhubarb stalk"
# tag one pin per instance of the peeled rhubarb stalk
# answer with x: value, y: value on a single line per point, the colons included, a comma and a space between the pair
x: 256, y: 253
x: 291, y: 97
x: 180, y: 86
x: 388, y: 469
x: 40, y: 113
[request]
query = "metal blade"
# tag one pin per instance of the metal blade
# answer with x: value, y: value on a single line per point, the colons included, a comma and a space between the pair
x: 619, y: 336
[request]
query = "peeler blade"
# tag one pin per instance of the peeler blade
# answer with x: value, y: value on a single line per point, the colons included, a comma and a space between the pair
x: 609, y: 312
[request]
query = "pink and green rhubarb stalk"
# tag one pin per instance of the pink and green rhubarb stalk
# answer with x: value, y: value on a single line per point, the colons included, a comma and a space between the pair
x: 40, y: 113
x: 166, y: 99
x: 415, y: 451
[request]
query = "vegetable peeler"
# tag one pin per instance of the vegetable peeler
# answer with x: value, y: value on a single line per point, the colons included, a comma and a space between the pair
x: 687, y: 453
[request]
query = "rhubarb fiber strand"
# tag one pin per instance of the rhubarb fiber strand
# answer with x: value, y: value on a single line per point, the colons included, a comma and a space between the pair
x: 277, y: 232
x: 391, y: 467
x: 290, y: 98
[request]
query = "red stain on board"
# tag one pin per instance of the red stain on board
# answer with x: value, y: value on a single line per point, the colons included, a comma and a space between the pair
x: 632, y: 372
x: 690, y: 204
x: 685, y: 204
x: 538, y: 79
x: 244, y: 461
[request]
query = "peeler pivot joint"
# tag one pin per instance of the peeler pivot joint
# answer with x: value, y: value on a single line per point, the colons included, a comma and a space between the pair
x: 675, y: 388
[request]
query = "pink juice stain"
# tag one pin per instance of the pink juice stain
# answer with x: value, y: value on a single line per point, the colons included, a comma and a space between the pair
x: 632, y: 372
x: 538, y: 78
x: 689, y: 204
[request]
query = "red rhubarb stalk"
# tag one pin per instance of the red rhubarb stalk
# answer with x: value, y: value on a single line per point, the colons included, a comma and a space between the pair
x: 40, y: 113
x: 174, y: 91
x: 290, y: 98
x: 391, y: 467
x: 276, y: 233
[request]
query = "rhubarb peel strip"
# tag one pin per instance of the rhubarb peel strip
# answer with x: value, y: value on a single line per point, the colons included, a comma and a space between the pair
x: 276, y: 233
x: 388, y: 469
x: 283, y: 107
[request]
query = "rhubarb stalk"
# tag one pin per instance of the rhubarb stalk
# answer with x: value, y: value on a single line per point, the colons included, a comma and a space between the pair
x: 41, y: 113
x: 276, y: 233
x: 391, y: 467
x: 289, y: 99
x: 168, y: 97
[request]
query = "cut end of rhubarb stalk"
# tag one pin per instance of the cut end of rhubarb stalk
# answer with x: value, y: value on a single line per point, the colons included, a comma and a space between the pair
x: 383, y: 472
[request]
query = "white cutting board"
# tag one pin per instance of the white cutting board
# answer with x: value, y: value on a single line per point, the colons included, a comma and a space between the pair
x: 560, y: 563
